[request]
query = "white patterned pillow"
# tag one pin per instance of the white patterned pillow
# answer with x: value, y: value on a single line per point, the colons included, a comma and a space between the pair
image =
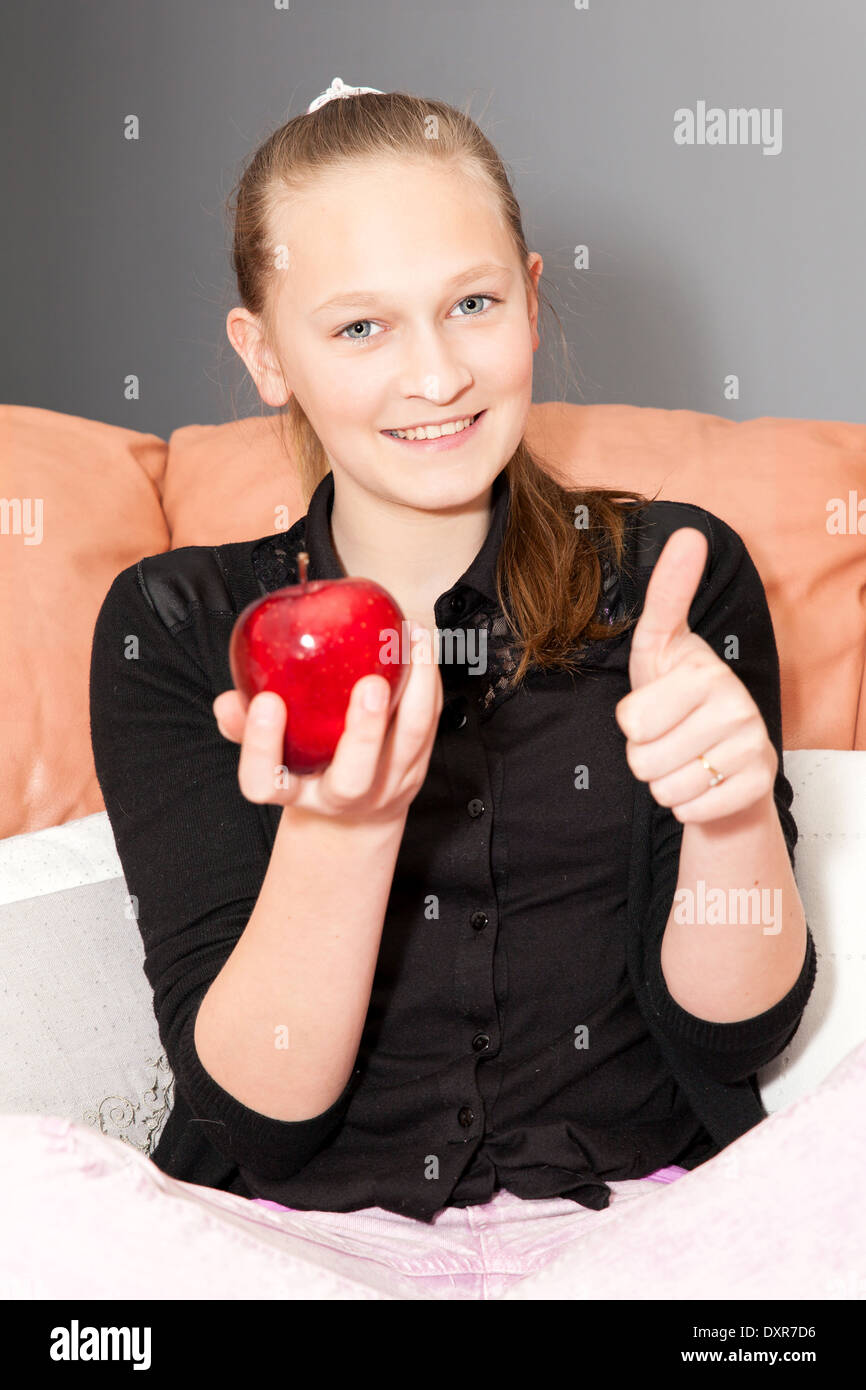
x: 829, y: 807
x: 76, y: 1010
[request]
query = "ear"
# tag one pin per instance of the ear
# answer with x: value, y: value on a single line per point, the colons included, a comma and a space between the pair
x: 534, y: 265
x: 246, y: 335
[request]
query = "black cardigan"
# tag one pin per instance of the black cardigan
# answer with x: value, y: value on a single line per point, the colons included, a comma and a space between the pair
x: 482, y: 1088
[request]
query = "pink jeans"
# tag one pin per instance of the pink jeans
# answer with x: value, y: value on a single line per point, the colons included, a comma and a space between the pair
x: 780, y: 1213
x: 466, y: 1252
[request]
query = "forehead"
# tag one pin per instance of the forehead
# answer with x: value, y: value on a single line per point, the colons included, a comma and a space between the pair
x: 386, y: 221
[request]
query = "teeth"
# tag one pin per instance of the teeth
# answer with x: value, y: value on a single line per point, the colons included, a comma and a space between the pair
x: 433, y: 431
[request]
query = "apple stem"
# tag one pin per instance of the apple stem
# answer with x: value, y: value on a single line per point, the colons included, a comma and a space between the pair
x: 303, y: 561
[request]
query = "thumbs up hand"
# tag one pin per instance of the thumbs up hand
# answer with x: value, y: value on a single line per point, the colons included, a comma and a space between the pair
x: 686, y: 702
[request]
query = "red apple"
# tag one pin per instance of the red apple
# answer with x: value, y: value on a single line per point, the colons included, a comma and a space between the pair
x: 310, y: 642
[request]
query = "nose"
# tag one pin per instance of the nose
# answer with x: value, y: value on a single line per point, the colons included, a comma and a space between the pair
x: 432, y: 368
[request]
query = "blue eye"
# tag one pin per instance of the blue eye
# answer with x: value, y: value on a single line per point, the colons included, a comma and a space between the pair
x: 476, y: 297
x: 359, y: 323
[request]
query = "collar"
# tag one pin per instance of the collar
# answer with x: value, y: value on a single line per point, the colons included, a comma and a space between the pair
x: 478, y: 581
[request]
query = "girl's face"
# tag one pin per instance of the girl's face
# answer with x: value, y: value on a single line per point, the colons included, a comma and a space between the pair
x: 434, y: 323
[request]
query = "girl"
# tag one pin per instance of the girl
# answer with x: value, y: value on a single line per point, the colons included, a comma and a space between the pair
x: 442, y: 987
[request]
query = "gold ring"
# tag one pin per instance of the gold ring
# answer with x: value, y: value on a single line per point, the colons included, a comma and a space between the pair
x: 715, y: 777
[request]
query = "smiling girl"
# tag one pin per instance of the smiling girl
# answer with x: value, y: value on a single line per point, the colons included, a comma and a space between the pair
x: 464, y: 926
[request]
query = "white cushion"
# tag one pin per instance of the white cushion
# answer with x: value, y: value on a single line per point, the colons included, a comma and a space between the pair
x: 76, y: 1010
x: 829, y: 807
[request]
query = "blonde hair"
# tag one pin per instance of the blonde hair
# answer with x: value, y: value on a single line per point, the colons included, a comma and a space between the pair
x: 549, y: 572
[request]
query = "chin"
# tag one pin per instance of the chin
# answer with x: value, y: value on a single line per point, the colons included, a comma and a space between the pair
x: 437, y: 489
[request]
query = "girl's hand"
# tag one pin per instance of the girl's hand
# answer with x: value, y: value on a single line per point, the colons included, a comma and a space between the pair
x: 686, y: 701
x: 377, y: 768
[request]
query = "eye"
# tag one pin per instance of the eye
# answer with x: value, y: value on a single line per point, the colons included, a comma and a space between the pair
x: 474, y: 299
x: 349, y: 328
x: 359, y: 323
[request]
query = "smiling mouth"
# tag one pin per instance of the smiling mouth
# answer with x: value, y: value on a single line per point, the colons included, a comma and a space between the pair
x: 443, y: 431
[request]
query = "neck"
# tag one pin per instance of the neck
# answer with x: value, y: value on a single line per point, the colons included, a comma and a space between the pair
x: 415, y: 555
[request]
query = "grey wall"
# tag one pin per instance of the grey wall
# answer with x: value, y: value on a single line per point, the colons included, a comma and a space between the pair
x: 704, y: 260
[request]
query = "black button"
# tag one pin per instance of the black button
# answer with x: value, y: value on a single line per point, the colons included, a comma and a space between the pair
x: 475, y: 807
x: 458, y: 603
x: 479, y: 920
x: 480, y: 1042
x: 465, y: 1116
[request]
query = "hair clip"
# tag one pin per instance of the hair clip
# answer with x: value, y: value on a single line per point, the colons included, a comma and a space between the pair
x: 338, y: 88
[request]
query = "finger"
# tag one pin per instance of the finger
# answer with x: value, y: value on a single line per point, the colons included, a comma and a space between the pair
x: 262, y: 747
x: 656, y: 708
x: 413, y: 723
x: 674, y: 582
x: 351, y: 771
x: 421, y: 702
x: 230, y: 715
x: 688, y: 778
x: 736, y: 793
x: 683, y: 744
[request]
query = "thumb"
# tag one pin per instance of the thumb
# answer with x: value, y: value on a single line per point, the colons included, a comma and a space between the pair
x: 670, y: 592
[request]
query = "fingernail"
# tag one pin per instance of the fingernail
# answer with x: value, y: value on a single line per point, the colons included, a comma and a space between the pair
x: 262, y: 710
x: 374, y: 695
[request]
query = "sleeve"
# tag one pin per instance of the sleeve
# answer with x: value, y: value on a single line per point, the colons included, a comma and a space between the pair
x: 194, y: 852
x: 731, y: 601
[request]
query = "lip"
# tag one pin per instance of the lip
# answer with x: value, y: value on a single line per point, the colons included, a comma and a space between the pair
x: 445, y: 441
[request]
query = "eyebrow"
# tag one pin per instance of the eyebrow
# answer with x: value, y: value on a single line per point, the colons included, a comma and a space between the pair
x: 353, y: 298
